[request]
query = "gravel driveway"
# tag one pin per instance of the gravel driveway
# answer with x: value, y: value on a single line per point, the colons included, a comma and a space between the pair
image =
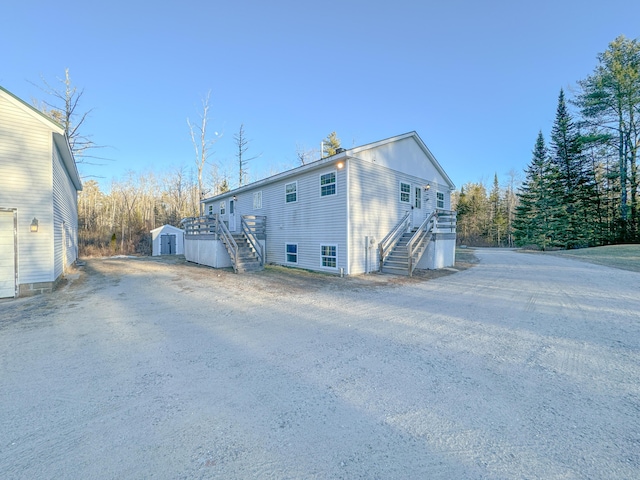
x: 525, y: 366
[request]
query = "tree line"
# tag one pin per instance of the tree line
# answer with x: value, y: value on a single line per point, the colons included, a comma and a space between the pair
x: 580, y: 187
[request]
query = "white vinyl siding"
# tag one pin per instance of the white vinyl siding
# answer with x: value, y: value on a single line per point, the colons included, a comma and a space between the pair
x: 373, y: 215
x: 26, y: 183
x: 305, y: 222
x: 65, y: 216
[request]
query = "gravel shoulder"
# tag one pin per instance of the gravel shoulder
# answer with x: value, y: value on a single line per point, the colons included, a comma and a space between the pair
x: 524, y: 366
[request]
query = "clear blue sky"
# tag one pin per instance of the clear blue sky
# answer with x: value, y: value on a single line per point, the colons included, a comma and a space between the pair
x: 476, y: 80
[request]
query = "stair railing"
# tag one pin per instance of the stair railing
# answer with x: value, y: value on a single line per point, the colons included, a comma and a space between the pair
x: 387, y: 243
x: 418, y: 240
x: 253, y: 226
x: 230, y: 243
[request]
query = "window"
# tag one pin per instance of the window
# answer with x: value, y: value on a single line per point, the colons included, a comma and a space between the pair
x: 223, y: 207
x: 291, y: 250
x: 405, y: 192
x: 328, y: 184
x: 257, y: 200
x: 291, y: 192
x: 210, y: 209
x: 329, y: 255
x: 440, y: 200
x: 418, y: 198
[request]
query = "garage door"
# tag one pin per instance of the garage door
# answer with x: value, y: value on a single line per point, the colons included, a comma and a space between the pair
x: 7, y: 256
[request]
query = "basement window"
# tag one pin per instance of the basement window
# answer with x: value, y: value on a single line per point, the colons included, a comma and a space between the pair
x: 291, y: 250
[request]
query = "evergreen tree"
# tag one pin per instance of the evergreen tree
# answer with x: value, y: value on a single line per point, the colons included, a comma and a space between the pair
x: 574, y: 181
x: 498, y: 225
x: 540, y: 215
x: 609, y: 101
x: 330, y: 145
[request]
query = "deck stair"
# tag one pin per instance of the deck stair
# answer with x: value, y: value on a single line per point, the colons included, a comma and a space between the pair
x: 397, y: 261
x: 403, y: 248
x: 246, y: 258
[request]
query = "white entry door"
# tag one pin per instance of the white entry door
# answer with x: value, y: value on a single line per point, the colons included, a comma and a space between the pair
x: 418, y: 211
x: 232, y: 215
x: 7, y: 255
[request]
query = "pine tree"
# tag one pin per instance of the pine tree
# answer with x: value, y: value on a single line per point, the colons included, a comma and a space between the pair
x: 540, y: 215
x: 573, y: 179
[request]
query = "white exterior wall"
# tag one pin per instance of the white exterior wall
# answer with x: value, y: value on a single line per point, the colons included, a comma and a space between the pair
x: 204, y: 250
x: 375, y: 206
x: 65, y: 216
x: 26, y: 184
x: 310, y: 222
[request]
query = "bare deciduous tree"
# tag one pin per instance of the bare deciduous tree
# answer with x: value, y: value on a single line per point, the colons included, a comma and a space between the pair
x: 202, y: 144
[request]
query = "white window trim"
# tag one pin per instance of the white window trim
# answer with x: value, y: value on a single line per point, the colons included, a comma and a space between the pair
x: 210, y: 209
x: 335, y: 173
x: 400, y: 192
x: 285, y: 192
x: 286, y: 253
x: 223, y: 207
x: 438, y: 200
x: 257, y: 205
x: 328, y: 245
x: 417, y: 197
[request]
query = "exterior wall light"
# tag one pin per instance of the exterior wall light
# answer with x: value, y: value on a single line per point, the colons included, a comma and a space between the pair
x: 34, y: 225
x: 340, y: 165
x: 427, y: 187
x: 235, y: 198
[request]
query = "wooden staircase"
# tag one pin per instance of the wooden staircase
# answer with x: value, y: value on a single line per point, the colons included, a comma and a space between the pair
x: 397, y: 262
x: 401, y: 250
x: 246, y: 258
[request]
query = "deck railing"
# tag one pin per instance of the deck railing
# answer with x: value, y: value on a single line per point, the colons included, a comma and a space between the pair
x: 207, y: 225
x: 254, y: 227
x: 230, y: 243
x: 387, y: 243
x: 418, y: 240
x: 447, y: 221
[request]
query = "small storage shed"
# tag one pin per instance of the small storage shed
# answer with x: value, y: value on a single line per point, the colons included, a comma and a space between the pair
x: 167, y: 240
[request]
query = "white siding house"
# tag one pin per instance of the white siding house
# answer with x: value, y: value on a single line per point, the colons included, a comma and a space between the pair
x: 167, y: 240
x: 39, y: 183
x: 331, y: 215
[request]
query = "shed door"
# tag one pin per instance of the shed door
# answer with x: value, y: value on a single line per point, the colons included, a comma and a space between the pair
x: 167, y: 244
x: 7, y: 255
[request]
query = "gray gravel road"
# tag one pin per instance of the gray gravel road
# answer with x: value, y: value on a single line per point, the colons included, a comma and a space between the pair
x: 525, y: 366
